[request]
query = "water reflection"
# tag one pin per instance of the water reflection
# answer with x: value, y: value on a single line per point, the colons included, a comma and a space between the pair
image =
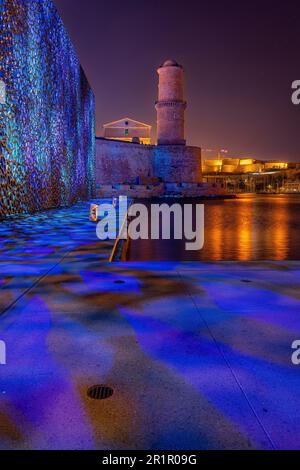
x: 245, y: 229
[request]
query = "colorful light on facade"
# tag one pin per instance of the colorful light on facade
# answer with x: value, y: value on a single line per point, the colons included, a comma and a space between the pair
x: 47, y: 121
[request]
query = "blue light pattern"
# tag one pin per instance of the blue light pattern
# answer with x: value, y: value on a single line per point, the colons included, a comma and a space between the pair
x: 47, y: 122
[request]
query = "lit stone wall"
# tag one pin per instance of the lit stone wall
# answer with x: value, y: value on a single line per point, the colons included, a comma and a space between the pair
x: 128, y: 163
x: 120, y: 162
x: 177, y: 163
x: 47, y: 146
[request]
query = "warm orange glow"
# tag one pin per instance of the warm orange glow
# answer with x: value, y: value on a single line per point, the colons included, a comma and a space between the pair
x: 215, y: 235
x: 229, y: 168
x: 278, y: 236
x: 253, y: 168
x: 143, y: 140
x: 243, y: 165
x: 247, y: 161
x: 213, y: 162
x: 276, y: 165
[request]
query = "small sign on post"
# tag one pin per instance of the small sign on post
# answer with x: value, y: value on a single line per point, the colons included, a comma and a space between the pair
x: 94, y: 213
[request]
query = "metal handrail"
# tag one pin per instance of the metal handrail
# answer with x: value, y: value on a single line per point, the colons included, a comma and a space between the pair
x: 118, y: 239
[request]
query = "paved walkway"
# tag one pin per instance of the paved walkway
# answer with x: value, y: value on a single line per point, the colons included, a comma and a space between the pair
x: 198, y: 356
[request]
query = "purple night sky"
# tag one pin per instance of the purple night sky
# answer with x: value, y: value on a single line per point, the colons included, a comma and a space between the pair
x: 240, y: 60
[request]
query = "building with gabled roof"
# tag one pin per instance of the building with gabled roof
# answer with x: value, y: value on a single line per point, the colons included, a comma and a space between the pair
x: 128, y: 130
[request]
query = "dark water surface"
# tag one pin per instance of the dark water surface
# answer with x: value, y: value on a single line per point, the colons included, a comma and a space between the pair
x: 249, y: 228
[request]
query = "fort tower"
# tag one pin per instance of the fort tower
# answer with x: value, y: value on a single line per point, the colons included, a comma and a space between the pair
x: 171, y: 105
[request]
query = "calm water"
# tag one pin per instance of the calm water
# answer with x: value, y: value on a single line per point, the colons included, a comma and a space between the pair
x: 245, y: 229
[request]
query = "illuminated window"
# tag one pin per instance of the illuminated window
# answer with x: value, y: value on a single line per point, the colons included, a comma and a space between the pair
x: 2, y: 92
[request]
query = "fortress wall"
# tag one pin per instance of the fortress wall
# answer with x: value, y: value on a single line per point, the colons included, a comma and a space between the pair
x: 177, y: 163
x: 122, y: 162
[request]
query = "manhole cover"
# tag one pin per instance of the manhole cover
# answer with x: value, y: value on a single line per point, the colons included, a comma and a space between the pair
x: 246, y: 281
x: 119, y: 282
x: 100, y: 392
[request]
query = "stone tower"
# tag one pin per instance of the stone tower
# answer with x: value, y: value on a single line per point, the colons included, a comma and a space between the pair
x: 171, y: 105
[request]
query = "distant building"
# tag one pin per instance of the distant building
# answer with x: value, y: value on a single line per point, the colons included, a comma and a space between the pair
x: 247, y: 175
x: 128, y: 130
x: 241, y: 165
x: 275, y: 165
x: 291, y: 187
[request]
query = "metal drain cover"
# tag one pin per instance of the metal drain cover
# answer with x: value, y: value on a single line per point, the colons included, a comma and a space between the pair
x: 119, y: 281
x: 246, y: 281
x: 100, y: 392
